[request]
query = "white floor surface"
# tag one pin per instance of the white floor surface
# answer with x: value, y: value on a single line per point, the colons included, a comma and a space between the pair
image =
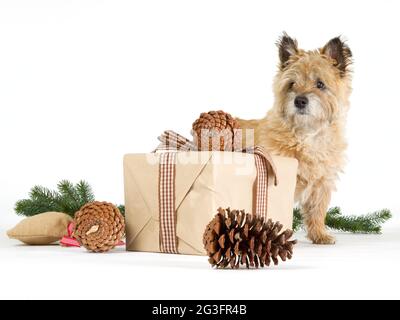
x: 358, y: 266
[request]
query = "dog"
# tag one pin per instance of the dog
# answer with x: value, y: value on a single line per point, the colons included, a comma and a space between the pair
x: 307, y: 122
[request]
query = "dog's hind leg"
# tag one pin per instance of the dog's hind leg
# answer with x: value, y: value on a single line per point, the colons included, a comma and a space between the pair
x: 314, y: 206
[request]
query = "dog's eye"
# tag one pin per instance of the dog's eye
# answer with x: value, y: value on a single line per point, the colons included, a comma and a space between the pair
x: 291, y: 85
x: 320, y: 85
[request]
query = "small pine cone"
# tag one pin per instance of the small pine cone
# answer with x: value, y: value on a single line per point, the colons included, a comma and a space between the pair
x: 99, y: 226
x: 234, y: 238
x: 217, y: 130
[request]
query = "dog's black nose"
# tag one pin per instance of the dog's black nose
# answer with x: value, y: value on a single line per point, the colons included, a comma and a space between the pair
x: 301, y: 102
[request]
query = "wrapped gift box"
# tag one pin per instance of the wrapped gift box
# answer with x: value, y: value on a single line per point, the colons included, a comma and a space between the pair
x: 204, y: 181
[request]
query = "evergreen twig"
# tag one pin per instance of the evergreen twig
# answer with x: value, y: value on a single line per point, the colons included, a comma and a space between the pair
x: 122, y: 209
x: 370, y: 223
x: 71, y: 199
x: 297, y: 220
x: 40, y: 200
x: 85, y: 191
x: 68, y: 198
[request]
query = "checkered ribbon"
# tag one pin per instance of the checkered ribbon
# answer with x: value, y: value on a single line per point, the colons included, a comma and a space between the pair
x: 168, y: 240
x: 264, y: 165
x: 172, y: 141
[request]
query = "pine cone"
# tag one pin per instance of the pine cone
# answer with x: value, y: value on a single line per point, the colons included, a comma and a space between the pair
x: 99, y: 226
x: 235, y: 238
x: 213, y: 125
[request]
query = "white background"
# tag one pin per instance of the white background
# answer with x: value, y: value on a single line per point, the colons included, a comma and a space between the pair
x: 84, y: 82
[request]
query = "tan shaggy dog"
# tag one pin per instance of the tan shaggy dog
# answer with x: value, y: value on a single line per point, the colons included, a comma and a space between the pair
x: 307, y: 122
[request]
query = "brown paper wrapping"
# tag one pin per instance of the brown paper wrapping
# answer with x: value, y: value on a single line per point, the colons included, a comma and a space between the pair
x: 205, y: 181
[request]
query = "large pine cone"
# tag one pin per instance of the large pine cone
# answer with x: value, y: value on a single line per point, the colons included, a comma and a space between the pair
x: 235, y: 238
x: 99, y: 226
x: 217, y: 130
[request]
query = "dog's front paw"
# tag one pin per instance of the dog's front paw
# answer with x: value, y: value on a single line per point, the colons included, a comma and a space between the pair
x: 322, y: 238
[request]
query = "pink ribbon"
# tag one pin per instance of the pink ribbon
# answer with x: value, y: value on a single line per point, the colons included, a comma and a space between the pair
x: 69, y: 240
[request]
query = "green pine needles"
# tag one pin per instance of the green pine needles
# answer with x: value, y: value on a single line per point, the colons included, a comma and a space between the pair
x: 335, y: 220
x: 68, y: 198
x: 122, y: 209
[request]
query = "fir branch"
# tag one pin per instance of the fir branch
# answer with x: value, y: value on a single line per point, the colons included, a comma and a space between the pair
x: 40, y: 200
x: 29, y: 207
x: 297, y: 219
x: 85, y: 192
x: 43, y: 197
x: 69, y: 195
x: 370, y: 223
x: 122, y: 209
x: 367, y: 224
x: 334, y: 212
x: 68, y: 199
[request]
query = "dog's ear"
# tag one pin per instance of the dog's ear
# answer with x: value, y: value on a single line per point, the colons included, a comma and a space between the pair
x: 287, y: 48
x: 341, y: 54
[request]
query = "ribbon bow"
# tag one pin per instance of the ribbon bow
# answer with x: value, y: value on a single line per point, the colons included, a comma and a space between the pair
x: 170, y: 140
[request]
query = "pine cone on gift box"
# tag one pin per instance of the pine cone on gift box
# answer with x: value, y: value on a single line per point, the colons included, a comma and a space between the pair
x: 235, y: 238
x: 99, y: 226
x: 209, y: 126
